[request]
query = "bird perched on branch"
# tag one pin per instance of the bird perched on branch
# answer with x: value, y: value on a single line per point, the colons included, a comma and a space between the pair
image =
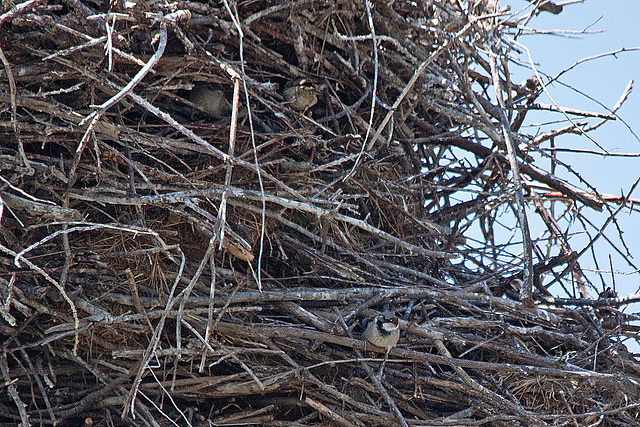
x: 210, y: 100
x: 301, y: 94
x: 382, y: 331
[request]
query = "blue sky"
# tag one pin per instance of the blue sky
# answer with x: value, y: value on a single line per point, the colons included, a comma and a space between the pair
x: 595, y: 27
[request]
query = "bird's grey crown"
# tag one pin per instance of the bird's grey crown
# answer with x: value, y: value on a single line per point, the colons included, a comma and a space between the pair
x: 387, y: 325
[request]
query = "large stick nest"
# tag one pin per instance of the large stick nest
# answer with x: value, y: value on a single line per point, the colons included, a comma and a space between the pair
x: 198, y: 242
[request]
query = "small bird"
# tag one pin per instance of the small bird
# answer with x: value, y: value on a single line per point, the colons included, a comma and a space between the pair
x: 211, y: 101
x: 300, y: 94
x: 382, y: 331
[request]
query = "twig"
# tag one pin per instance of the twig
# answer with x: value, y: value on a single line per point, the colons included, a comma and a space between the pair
x: 528, y: 274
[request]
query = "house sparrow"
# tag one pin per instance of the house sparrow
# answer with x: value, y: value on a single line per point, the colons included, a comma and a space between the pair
x: 211, y: 101
x: 382, y: 331
x: 300, y: 94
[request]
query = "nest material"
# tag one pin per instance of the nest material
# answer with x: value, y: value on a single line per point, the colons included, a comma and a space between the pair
x: 207, y: 260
